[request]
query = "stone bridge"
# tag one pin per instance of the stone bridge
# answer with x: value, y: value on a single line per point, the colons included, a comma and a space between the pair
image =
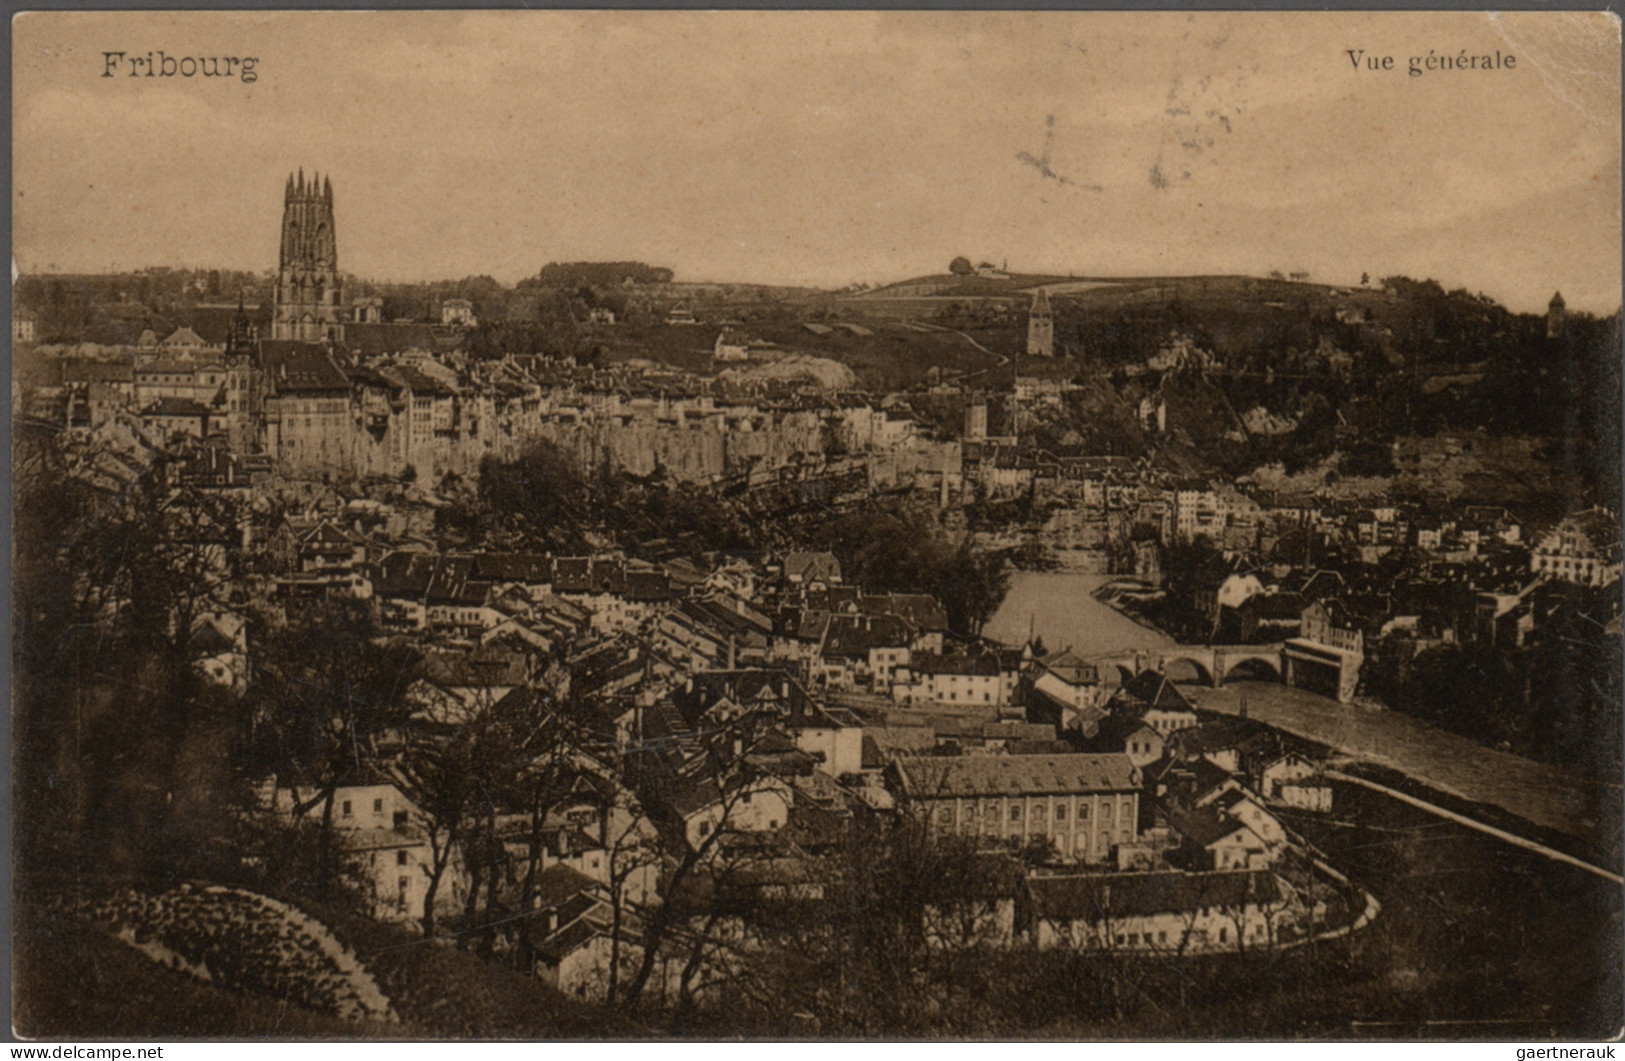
x: 1213, y: 664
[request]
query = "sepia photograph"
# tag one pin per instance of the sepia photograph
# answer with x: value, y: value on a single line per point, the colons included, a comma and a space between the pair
x: 955, y: 525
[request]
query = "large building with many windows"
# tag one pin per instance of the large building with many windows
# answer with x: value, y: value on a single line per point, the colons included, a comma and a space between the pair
x: 1086, y: 805
x: 1584, y: 548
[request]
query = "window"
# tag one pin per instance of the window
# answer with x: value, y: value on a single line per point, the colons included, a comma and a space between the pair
x: 705, y: 829
x: 1083, y: 812
x: 378, y: 806
x: 1060, y: 812
x: 400, y: 858
x: 346, y: 808
x: 1015, y: 813
x: 1224, y: 934
x: 1162, y: 937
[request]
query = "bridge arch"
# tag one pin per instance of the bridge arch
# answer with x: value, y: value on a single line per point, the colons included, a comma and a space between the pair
x: 1252, y: 668
x: 1176, y: 667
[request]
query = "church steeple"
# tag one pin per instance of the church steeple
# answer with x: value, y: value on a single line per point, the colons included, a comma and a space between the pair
x: 309, y: 298
x: 240, y: 334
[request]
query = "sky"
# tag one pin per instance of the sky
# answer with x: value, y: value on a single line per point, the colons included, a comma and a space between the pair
x: 825, y: 148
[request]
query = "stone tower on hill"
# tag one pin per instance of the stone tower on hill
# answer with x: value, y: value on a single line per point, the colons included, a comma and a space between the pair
x: 1555, y: 317
x: 1040, y: 327
x: 309, y: 300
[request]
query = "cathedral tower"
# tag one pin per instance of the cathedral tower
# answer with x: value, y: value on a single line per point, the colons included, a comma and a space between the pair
x: 1040, y: 327
x: 309, y: 301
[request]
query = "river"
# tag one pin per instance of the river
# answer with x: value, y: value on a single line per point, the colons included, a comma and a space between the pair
x: 1060, y: 608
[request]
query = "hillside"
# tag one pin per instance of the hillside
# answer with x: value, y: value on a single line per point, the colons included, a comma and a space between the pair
x: 134, y: 976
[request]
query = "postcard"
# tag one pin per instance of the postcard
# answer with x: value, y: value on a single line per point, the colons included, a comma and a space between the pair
x: 816, y: 525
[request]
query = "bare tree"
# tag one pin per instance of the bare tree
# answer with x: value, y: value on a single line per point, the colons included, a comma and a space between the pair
x: 325, y: 689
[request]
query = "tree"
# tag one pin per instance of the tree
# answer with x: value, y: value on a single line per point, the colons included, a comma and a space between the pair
x: 540, y: 495
x: 326, y: 687
x: 961, y: 267
x: 665, y: 926
x: 904, y: 550
x: 440, y: 778
x: 121, y: 746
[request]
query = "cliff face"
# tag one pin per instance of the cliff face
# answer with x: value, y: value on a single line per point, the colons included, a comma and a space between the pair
x: 688, y: 451
x: 687, y: 454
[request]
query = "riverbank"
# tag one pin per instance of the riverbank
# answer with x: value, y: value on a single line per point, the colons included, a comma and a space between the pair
x: 1453, y: 766
x: 1062, y: 608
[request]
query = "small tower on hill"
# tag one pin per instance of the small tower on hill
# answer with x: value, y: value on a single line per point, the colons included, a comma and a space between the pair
x: 1040, y: 327
x: 1555, y: 317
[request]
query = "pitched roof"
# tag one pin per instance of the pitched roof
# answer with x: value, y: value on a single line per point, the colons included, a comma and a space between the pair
x: 514, y: 567
x: 811, y: 565
x: 453, y: 584
x: 84, y: 370
x: 559, y: 882
x: 1071, y: 668
x: 1005, y: 775
x: 1277, y: 607
x: 481, y: 669
x: 1203, y: 775
x: 985, y: 665
x: 403, y: 574
x: 920, y: 609
x: 1096, y: 896
x: 175, y: 407
x: 292, y: 366
x: 1204, y: 826
x: 184, y: 337
x: 856, y: 635
x: 1154, y: 690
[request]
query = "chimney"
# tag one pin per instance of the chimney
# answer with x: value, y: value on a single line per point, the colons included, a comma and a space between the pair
x: 561, y: 843
x: 552, y: 922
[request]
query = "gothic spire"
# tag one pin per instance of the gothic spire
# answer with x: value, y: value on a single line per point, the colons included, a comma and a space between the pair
x: 327, y: 189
